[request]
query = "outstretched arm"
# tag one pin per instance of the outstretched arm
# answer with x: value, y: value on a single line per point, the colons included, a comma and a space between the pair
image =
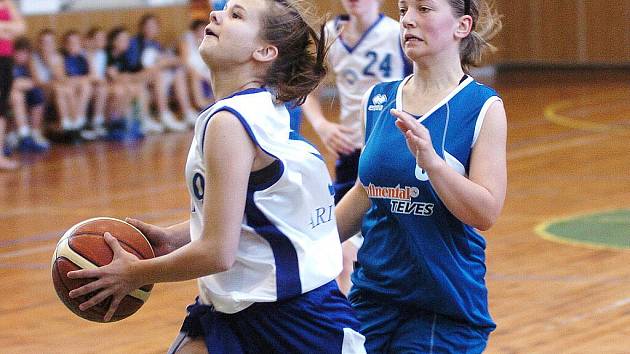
x: 228, y: 156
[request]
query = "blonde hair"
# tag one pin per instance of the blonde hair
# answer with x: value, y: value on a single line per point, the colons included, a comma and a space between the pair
x: 486, y: 24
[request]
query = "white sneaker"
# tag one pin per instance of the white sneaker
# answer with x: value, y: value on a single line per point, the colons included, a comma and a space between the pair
x: 191, y: 118
x: 150, y: 126
x: 40, y: 139
x: 11, y: 140
x: 171, y: 123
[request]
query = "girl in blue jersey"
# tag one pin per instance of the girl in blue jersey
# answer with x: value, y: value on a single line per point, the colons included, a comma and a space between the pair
x: 432, y: 173
x: 366, y: 51
x: 262, y: 239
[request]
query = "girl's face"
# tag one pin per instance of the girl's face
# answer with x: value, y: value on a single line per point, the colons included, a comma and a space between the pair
x: 151, y: 28
x: 73, y: 44
x: 47, y: 43
x: 361, y: 7
x: 233, y: 34
x: 121, y: 43
x: 428, y: 27
x: 22, y: 56
x: 99, y: 41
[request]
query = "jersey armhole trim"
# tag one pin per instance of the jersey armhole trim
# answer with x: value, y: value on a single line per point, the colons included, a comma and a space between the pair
x: 482, y: 116
x: 250, y: 133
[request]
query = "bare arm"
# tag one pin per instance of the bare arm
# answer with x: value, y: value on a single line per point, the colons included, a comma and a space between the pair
x: 335, y: 137
x: 478, y: 199
x: 228, y: 157
x: 350, y: 210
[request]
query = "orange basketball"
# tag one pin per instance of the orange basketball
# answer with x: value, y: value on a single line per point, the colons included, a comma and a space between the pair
x: 83, y: 246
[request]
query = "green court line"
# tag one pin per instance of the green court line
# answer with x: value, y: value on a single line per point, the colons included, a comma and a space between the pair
x: 599, y: 230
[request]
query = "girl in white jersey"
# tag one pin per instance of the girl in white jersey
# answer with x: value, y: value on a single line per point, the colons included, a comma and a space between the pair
x: 262, y: 239
x: 366, y: 51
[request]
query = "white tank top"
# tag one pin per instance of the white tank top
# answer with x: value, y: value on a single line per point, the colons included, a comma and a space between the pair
x: 289, y: 242
x: 376, y: 57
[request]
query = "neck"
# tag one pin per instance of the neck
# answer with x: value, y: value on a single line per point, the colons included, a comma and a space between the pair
x: 226, y: 83
x: 360, y: 24
x: 433, y: 74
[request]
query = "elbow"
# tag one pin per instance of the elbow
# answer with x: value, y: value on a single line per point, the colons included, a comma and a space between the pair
x: 485, y: 222
x: 220, y: 263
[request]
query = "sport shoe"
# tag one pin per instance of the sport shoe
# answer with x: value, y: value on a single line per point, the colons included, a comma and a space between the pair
x: 28, y: 144
x: 88, y: 135
x: 172, y: 124
x: 150, y: 126
x: 40, y: 139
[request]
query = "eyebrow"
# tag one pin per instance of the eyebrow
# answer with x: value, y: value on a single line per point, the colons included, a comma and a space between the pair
x: 239, y: 7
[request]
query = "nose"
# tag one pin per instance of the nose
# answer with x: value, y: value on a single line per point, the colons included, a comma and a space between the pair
x: 407, y: 20
x: 214, y: 17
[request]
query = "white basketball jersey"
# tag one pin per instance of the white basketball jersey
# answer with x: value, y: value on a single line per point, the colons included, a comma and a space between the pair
x: 376, y: 57
x: 289, y: 242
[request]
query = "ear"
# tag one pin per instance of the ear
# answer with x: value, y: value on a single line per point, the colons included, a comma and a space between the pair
x: 266, y: 53
x: 464, y: 27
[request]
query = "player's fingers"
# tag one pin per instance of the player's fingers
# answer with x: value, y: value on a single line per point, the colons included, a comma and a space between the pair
x: 346, y: 130
x: 113, y: 243
x: 140, y: 225
x: 85, y: 289
x: 96, y: 299
x: 83, y: 273
x: 113, y: 307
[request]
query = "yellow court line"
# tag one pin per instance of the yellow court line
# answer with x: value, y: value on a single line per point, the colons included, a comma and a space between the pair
x: 541, y: 230
x: 551, y: 114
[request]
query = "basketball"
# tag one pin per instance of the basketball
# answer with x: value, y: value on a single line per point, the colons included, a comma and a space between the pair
x: 83, y: 246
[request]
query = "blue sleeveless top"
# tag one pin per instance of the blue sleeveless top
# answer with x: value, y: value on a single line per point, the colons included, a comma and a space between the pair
x: 416, y: 253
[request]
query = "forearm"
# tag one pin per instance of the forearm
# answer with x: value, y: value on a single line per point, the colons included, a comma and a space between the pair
x: 313, y: 110
x: 350, y: 211
x: 471, y: 203
x: 180, y: 234
x: 194, y: 260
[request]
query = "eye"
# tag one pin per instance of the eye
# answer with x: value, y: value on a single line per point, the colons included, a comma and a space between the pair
x: 402, y: 11
x: 236, y: 15
x: 424, y: 9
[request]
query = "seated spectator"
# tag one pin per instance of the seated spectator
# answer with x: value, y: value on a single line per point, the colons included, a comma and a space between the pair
x: 77, y: 71
x: 127, y: 88
x: 160, y: 70
x: 27, y: 100
x: 48, y: 72
x: 197, y: 70
x: 95, y: 42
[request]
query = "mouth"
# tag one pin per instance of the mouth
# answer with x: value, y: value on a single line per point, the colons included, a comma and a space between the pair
x: 209, y: 32
x: 410, y: 38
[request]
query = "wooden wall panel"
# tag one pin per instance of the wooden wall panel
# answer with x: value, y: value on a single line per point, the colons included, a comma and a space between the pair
x: 534, y: 31
x: 608, y: 30
x: 173, y: 20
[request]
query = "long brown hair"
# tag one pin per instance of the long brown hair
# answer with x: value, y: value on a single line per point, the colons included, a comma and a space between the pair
x: 486, y: 25
x: 300, y: 65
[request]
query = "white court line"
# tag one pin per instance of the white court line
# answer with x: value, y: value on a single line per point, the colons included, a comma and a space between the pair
x: 564, y: 144
x: 27, y: 251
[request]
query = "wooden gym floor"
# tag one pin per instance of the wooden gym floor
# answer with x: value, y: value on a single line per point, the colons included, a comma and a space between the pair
x: 568, y: 153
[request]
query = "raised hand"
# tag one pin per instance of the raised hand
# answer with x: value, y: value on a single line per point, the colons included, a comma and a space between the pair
x: 418, y: 140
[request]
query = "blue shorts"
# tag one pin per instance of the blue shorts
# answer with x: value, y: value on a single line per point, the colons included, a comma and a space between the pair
x: 320, y: 321
x: 346, y: 170
x: 35, y: 97
x: 391, y: 329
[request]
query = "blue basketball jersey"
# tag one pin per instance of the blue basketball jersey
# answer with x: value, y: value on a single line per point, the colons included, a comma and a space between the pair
x: 416, y: 253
